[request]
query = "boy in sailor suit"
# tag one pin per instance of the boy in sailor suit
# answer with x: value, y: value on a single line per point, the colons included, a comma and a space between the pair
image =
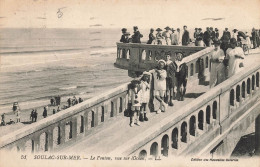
x: 134, y: 99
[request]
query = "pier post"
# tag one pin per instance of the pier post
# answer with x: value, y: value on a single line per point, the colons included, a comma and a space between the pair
x: 257, y: 135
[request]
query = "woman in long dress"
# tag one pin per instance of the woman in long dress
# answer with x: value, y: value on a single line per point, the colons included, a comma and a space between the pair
x: 217, y: 69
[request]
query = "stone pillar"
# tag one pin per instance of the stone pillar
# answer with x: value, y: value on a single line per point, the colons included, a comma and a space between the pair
x: 74, y: 127
x: 36, y: 140
x: 50, y: 139
x: 257, y: 135
x: 62, y: 133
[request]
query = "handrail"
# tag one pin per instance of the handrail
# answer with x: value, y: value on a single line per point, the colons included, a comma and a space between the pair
x: 168, y: 122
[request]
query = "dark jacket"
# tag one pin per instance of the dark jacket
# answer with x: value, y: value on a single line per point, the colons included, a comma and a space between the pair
x: 227, y: 34
x: 151, y: 38
x: 186, y: 38
x: 199, y: 36
x: 217, y: 35
x: 136, y: 38
x: 206, y: 36
x: 124, y: 39
x: 213, y: 35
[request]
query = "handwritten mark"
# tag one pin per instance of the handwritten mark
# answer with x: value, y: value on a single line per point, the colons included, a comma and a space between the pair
x: 60, y: 13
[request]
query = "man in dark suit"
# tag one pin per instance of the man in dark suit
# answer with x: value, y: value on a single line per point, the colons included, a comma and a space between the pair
x: 212, y: 34
x: 136, y: 38
x: 207, y: 37
x: 185, y: 36
x: 217, y: 33
x: 123, y: 37
x: 227, y: 34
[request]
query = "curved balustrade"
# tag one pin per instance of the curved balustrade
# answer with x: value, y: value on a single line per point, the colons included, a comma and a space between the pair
x: 142, y: 57
x: 68, y: 125
x: 206, y: 113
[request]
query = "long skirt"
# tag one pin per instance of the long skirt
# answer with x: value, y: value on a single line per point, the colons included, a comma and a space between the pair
x: 217, y: 74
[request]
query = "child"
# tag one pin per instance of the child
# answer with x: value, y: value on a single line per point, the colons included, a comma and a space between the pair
x: 159, y: 76
x: 134, y: 100
x: 171, y: 68
x: 145, y: 86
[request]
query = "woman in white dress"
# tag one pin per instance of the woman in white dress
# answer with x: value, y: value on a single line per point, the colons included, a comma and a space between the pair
x: 217, y: 69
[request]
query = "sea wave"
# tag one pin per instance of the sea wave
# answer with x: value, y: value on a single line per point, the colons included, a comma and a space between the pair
x: 68, y: 88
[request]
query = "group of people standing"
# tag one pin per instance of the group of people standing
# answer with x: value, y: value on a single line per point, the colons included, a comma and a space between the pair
x: 167, y: 77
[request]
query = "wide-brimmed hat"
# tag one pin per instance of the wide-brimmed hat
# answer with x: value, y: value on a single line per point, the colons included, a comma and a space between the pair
x: 167, y: 28
x: 124, y: 29
x: 151, y: 29
x: 233, y: 41
x: 235, y: 30
x: 161, y: 60
x: 158, y: 29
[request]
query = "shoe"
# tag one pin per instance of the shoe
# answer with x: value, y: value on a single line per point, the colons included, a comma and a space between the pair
x: 137, y: 123
x: 141, y: 118
x: 170, y: 103
x: 158, y: 111
x: 164, y: 105
x: 131, y: 124
x: 145, y: 118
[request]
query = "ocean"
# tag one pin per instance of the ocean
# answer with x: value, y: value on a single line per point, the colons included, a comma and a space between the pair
x: 37, y: 64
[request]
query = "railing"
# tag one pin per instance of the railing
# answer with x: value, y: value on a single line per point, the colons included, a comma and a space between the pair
x: 178, y: 134
x: 67, y: 126
x: 141, y: 57
x: 76, y: 122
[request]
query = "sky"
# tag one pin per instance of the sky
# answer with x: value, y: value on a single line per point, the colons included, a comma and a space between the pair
x: 239, y: 14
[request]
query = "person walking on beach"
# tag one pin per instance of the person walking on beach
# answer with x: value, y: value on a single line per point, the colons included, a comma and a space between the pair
x: 69, y: 102
x: 234, y: 54
x: 35, y: 115
x: 45, y: 113
x: 54, y: 111
x: 136, y: 38
x: 32, y: 116
x: 151, y: 36
x: 18, y: 112
x: 80, y: 100
x: 185, y: 36
x: 217, y: 69
x: 3, y: 123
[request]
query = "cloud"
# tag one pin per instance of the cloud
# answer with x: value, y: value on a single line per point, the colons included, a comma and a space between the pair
x: 213, y: 19
x: 42, y: 18
x: 96, y: 25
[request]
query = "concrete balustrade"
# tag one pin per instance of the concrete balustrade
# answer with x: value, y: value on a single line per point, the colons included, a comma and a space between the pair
x: 206, y: 118
x: 68, y: 125
x: 142, y: 57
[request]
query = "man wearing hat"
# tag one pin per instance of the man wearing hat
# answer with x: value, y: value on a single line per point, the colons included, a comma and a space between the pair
x: 234, y: 34
x: 159, y: 37
x: 234, y: 54
x: 123, y: 35
x: 227, y: 34
x: 212, y: 34
x: 167, y: 35
x: 151, y: 36
x: 254, y: 38
x: 207, y: 37
x: 174, y: 39
x: 199, y: 38
x: 136, y: 38
x: 185, y: 36
x: 159, y: 75
x: 217, y: 33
